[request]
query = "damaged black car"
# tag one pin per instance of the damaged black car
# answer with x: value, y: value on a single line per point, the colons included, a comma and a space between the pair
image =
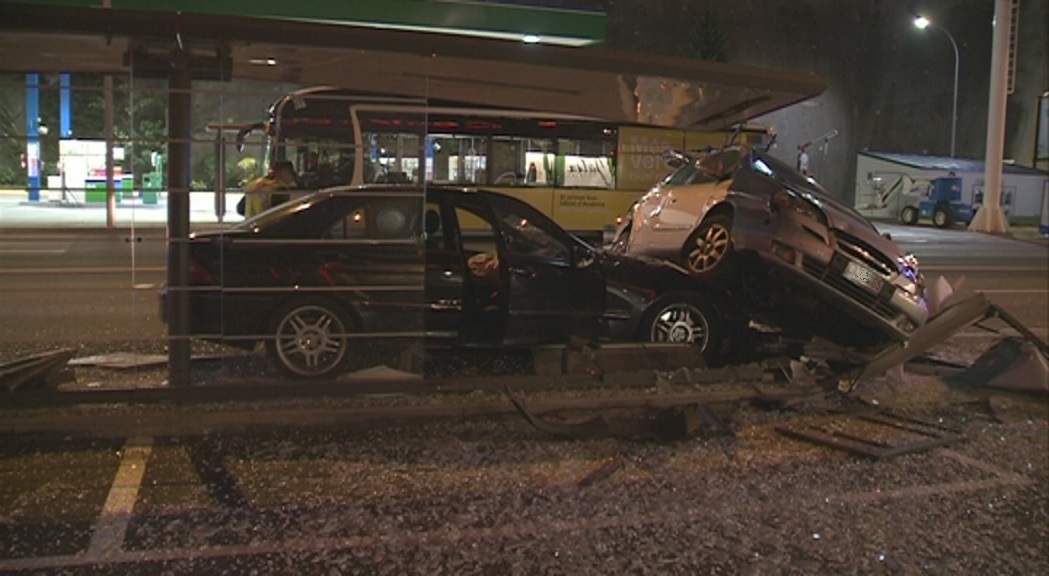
x: 314, y: 278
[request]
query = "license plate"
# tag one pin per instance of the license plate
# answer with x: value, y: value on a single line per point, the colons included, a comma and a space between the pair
x: 862, y: 276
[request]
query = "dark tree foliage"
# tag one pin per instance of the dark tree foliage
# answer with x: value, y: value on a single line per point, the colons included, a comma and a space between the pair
x: 708, y: 40
x: 12, y: 145
x: 139, y: 118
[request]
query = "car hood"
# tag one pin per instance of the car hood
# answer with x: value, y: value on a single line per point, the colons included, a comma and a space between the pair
x: 844, y: 218
x: 840, y: 216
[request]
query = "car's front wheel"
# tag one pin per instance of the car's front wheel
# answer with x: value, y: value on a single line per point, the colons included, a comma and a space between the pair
x: 309, y: 338
x: 709, y: 247
x: 683, y: 321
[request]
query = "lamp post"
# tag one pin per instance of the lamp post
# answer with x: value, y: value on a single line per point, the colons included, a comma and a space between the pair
x: 922, y: 23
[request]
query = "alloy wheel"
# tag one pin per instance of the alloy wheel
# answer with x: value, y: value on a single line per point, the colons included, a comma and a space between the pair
x: 310, y: 341
x: 681, y: 323
x: 709, y: 249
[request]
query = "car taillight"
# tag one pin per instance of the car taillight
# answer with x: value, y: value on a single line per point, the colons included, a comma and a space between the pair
x: 198, y: 274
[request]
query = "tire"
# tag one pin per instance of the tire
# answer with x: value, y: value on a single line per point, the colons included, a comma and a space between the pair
x: 941, y: 217
x: 683, y: 320
x: 709, y: 248
x: 909, y: 215
x: 309, y: 338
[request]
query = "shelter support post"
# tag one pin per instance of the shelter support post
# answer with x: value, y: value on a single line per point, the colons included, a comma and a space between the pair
x: 179, y: 85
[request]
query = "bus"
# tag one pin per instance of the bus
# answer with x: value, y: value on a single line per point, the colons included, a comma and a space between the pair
x: 583, y: 172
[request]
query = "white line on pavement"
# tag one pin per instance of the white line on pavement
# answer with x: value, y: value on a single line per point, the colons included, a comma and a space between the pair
x: 82, y: 270
x: 108, y: 537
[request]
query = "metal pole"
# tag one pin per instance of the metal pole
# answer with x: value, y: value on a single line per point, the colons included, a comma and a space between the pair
x: 33, y: 153
x: 990, y: 218
x: 220, y: 176
x: 107, y: 127
x: 179, y: 84
x: 107, y: 121
x: 954, y: 102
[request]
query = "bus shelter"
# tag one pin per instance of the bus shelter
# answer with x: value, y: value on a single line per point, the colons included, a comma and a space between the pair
x: 189, y: 61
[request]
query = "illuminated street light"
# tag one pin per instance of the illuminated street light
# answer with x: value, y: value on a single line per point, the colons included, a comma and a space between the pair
x: 922, y: 23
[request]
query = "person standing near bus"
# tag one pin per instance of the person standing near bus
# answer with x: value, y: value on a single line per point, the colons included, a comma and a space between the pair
x: 269, y: 190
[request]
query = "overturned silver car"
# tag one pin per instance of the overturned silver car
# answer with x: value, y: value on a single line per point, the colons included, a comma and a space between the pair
x: 792, y: 254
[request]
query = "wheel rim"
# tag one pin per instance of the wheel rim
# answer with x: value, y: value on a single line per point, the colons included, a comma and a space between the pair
x: 710, y: 247
x: 681, y: 324
x: 311, y: 340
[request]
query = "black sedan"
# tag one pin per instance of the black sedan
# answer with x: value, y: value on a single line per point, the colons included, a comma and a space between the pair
x: 317, y: 276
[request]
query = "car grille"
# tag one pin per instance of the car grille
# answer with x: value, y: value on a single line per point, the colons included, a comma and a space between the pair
x: 865, y: 253
x: 832, y: 276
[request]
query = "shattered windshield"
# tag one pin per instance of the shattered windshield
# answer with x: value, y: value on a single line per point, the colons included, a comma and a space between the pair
x: 708, y: 167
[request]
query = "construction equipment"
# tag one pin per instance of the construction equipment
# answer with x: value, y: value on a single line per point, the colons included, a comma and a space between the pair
x: 941, y: 202
x: 938, y: 200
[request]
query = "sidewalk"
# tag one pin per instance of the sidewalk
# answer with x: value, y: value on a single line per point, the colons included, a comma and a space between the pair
x: 17, y: 211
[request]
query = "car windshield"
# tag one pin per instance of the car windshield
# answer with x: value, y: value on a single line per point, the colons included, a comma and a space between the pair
x: 766, y: 164
x: 708, y: 167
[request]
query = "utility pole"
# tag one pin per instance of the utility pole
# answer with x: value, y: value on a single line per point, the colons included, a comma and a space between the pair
x: 990, y: 217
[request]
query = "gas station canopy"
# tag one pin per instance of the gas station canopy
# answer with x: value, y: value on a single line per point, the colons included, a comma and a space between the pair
x: 595, y: 81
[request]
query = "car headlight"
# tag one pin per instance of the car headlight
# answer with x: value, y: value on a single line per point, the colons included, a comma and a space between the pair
x: 786, y: 202
x: 908, y: 264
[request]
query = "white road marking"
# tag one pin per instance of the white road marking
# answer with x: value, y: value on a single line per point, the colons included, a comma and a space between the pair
x: 962, y: 268
x: 46, y: 251
x: 108, y: 536
x: 83, y: 270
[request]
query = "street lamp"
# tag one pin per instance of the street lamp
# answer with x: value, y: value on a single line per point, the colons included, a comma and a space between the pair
x: 922, y: 23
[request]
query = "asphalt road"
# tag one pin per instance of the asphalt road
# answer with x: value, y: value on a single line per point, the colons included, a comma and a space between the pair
x: 492, y: 495
x: 92, y: 285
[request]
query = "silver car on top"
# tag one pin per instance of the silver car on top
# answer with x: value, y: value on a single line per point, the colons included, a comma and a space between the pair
x: 793, y: 254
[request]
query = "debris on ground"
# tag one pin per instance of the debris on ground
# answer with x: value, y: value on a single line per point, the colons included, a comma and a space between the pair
x: 877, y: 434
x: 47, y: 369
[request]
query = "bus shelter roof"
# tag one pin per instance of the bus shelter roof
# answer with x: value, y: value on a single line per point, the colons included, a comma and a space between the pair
x: 593, y: 81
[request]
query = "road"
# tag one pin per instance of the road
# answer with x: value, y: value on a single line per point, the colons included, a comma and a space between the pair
x: 311, y: 488
x: 96, y: 285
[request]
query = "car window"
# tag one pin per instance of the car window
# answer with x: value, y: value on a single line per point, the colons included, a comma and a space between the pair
x: 690, y: 173
x: 527, y: 232
x: 480, y: 248
x: 375, y: 218
x: 476, y: 231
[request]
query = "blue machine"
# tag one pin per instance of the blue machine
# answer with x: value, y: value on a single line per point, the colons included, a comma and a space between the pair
x: 942, y: 203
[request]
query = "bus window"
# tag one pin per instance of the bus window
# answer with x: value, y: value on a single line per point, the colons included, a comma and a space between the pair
x: 586, y: 164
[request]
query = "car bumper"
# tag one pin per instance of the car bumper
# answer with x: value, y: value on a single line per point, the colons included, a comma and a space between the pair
x: 845, y: 271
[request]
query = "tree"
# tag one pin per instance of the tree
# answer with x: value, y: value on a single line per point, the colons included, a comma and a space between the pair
x: 12, y: 146
x: 708, y: 40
